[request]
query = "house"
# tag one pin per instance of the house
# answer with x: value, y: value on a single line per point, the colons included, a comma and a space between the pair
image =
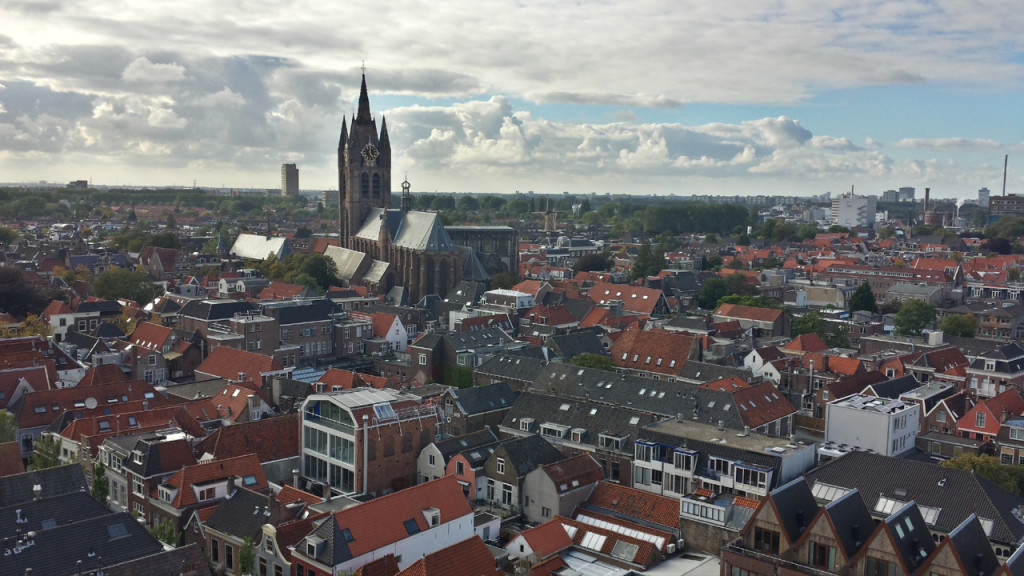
x: 633, y: 299
x: 153, y: 459
x: 982, y: 422
x: 540, y: 542
x: 888, y: 427
x: 467, y: 466
x: 407, y: 524
x: 993, y: 372
x: 519, y: 372
x: 946, y: 496
x: 238, y: 518
x: 556, y: 489
x: 472, y: 409
x: 202, y: 485
x: 275, y: 544
x: 235, y: 403
x: 364, y: 441
x: 507, y: 467
x: 305, y: 328
x: 654, y: 353
x: 238, y: 365
x: 963, y: 552
x: 159, y: 354
x: 764, y: 321
x: 274, y: 441
x: 434, y: 459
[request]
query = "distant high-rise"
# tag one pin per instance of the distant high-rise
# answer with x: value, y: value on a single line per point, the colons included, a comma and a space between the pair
x: 907, y: 194
x: 983, y: 195
x: 851, y: 210
x: 289, y: 180
x: 892, y: 196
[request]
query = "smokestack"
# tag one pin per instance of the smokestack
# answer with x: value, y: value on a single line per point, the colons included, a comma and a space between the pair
x: 1006, y: 164
x: 927, y: 194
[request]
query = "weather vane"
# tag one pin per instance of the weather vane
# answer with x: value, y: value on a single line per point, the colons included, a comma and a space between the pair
x: 364, y: 67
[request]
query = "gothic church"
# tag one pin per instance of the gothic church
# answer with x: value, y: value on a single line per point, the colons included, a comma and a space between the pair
x: 385, y: 247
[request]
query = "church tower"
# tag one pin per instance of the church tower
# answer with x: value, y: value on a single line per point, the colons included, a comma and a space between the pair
x: 364, y: 168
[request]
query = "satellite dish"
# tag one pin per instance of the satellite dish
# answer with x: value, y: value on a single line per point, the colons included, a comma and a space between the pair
x: 91, y: 403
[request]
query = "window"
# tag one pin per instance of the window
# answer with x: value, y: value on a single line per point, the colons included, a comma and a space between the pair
x: 821, y: 556
x: 940, y: 416
x: 430, y: 460
x: 423, y: 359
x: 766, y: 541
x: 229, y: 557
x: 152, y: 359
x: 506, y: 495
x: 263, y: 567
x: 501, y: 465
x: 137, y: 486
x: 979, y: 420
x: 545, y: 512
x: 878, y: 567
x: 214, y: 550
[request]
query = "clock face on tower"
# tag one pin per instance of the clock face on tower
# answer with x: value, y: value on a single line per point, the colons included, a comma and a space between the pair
x: 370, y: 153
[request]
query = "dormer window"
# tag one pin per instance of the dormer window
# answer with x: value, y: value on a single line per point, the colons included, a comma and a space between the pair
x: 432, y: 516
x: 525, y: 424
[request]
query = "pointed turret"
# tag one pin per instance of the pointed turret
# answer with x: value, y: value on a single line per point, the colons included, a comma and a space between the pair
x: 385, y: 142
x: 364, y: 104
x: 344, y: 135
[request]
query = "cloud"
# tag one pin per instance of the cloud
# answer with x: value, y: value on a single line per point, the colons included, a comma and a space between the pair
x: 949, y: 143
x: 223, y: 98
x: 142, y: 70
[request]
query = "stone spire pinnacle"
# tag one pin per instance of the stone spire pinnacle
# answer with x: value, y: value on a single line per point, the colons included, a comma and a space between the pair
x: 364, y: 104
x: 344, y: 134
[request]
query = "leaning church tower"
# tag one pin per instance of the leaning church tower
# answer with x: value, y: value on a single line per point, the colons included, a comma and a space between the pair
x: 364, y: 168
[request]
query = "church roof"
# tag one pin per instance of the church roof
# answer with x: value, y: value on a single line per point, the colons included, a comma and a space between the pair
x: 413, y: 229
x: 347, y: 261
x: 376, y: 271
x: 472, y: 269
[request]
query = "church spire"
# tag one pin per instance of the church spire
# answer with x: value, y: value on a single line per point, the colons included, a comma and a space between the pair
x: 364, y: 104
x: 385, y: 142
x: 344, y: 134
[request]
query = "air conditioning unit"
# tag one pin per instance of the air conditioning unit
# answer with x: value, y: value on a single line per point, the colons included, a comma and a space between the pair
x: 671, y: 549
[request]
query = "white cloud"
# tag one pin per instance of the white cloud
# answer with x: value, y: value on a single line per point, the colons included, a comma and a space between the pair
x: 949, y: 143
x: 143, y: 70
x: 226, y: 97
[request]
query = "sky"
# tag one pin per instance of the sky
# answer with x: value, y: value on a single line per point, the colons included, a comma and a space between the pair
x: 791, y: 97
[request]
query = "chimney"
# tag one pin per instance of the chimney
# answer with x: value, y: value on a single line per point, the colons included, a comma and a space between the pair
x: 927, y: 195
x: 37, y: 491
x: 295, y: 477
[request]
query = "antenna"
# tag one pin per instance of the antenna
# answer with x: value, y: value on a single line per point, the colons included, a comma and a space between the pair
x: 1006, y: 163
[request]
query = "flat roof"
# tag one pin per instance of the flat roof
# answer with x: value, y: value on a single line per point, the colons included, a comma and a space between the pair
x: 753, y: 442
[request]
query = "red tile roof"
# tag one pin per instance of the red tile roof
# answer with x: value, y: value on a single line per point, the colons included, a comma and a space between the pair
x: 726, y: 384
x: 214, y: 470
x: 10, y: 459
x: 290, y: 533
x: 574, y: 472
x: 635, y: 503
x: 278, y: 290
x: 646, y: 553
x: 289, y: 494
x: 228, y: 363
x: 382, y: 323
x: 634, y: 299
x: 547, y: 539
x: 42, y: 407
x: 806, y: 343
x: 271, y: 439
x: 761, y: 404
x: 844, y: 366
x: 384, y: 566
x: 336, y: 378
x: 548, y: 567
x: 653, y: 350
x: 467, y: 558
x: 748, y: 312
x: 380, y: 522
x: 151, y: 336
x: 103, y: 374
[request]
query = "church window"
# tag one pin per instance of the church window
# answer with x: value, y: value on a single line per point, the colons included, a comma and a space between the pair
x: 364, y: 185
x: 376, y: 185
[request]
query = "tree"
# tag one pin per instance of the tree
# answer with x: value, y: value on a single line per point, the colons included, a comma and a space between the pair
x: 886, y: 232
x: 100, y: 484
x: 8, y: 427
x: 18, y: 296
x: 863, y: 298
x: 647, y: 262
x: 595, y: 361
x: 987, y: 467
x: 246, y: 556
x: 959, y: 325
x: 458, y: 376
x: 913, y: 317
x: 755, y: 301
x: 502, y: 280
x: 7, y: 235
x: 45, y: 453
x: 165, y: 532
x: 322, y: 269
x: 833, y: 333
x: 716, y: 288
x: 120, y: 283
x: 303, y: 232
x: 33, y: 326
x: 597, y: 261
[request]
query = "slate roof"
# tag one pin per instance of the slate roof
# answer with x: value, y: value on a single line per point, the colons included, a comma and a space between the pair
x: 972, y: 549
x: 851, y: 521
x: 48, y: 513
x: 300, y: 311
x: 110, y: 539
x: 511, y: 367
x: 893, y: 388
x: 482, y: 338
x: 483, y: 399
x: 56, y: 481
x: 910, y: 536
x: 471, y: 557
x: 160, y: 456
x: 242, y: 515
x: 957, y: 493
x: 525, y: 453
x: 593, y: 417
x: 703, y: 372
x: 570, y: 345
x: 174, y: 562
x: 452, y: 446
x: 348, y: 262
x: 413, y: 229
x: 795, y: 506
x: 215, y: 309
x: 271, y: 439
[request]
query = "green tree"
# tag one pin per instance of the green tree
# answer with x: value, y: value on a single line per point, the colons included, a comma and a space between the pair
x: 598, y: 261
x: 322, y: 269
x: 963, y: 325
x: 716, y: 288
x: 458, y: 376
x: 913, y: 317
x: 100, y: 484
x: 165, y: 532
x: 8, y: 427
x: 246, y: 556
x: 120, y: 283
x: 7, y: 235
x: 303, y: 232
x: 502, y: 280
x: 987, y: 467
x: 596, y: 361
x: 755, y: 301
x: 863, y: 299
x: 45, y: 453
x: 648, y: 262
x: 886, y: 232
